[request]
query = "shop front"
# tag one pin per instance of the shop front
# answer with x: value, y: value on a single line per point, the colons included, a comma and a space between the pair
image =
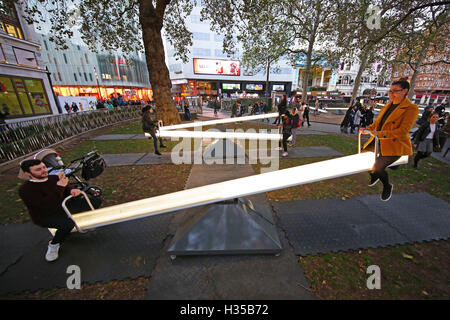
x: 23, y: 97
x: 103, y: 93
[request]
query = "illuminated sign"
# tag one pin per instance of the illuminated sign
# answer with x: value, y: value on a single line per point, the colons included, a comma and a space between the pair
x: 217, y: 67
x: 231, y: 86
x: 252, y: 86
x: 279, y: 87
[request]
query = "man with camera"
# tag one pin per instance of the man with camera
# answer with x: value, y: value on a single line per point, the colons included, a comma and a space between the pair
x: 43, y: 195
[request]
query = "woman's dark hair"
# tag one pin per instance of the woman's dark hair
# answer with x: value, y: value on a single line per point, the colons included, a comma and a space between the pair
x: 432, y: 114
x: 146, y: 108
x: 26, y: 164
x: 402, y: 82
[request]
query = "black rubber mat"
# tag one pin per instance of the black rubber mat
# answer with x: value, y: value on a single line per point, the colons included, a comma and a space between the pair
x: 15, y: 239
x: 115, y: 252
x: 332, y: 225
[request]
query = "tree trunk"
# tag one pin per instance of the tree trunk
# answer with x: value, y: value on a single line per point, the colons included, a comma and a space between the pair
x: 267, y: 82
x: 311, y: 41
x: 364, y: 57
x: 416, y: 70
x: 306, y: 73
x: 151, y: 23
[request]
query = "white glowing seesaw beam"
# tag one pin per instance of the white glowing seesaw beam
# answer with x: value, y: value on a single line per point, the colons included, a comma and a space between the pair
x: 219, y: 135
x: 218, y: 121
x: 231, y: 189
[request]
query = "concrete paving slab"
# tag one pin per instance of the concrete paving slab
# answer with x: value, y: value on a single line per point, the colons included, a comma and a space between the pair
x: 122, y: 159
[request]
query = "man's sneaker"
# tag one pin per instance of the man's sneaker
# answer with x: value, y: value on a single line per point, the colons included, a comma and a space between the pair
x: 373, y: 180
x: 158, y: 153
x: 284, y: 154
x: 52, y: 252
x: 162, y: 146
x: 387, y: 192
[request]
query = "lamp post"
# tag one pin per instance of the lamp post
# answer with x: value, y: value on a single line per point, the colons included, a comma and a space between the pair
x: 98, y: 86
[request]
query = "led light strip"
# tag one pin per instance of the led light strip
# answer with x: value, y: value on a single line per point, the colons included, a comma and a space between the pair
x: 218, y: 135
x: 219, y: 121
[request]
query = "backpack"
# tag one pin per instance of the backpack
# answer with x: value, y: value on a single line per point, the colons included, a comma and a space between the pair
x: 93, y: 167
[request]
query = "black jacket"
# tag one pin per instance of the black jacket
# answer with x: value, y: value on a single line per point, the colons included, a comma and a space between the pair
x: 423, y: 131
x: 282, y: 107
x: 287, y: 124
x: 295, y: 120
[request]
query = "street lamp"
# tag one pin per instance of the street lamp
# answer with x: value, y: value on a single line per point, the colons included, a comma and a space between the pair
x: 98, y: 86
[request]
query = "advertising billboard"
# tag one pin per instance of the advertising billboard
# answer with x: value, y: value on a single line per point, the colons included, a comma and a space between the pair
x: 217, y: 67
x: 278, y: 87
x: 253, y: 86
x: 231, y: 86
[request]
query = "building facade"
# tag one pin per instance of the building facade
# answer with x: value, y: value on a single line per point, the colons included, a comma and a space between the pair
x: 211, y: 74
x: 77, y: 71
x: 432, y: 85
x: 25, y: 87
x: 372, y: 84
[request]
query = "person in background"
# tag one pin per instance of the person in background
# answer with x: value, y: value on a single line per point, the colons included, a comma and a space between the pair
x: 427, y: 138
x: 352, y: 119
x: 282, y: 107
x: 346, y: 121
x: 295, y: 125
x: 357, y: 120
x: 67, y: 107
x: 74, y: 107
x: 392, y: 127
x: 235, y: 108
x: 3, y: 116
x: 187, y: 112
x: 368, y: 117
x: 286, y: 124
x: 306, y: 115
x: 150, y: 125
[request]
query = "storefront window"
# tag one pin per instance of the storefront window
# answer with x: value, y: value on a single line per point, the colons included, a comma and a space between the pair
x: 10, y: 101
x: 40, y: 103
x: 23, y: 96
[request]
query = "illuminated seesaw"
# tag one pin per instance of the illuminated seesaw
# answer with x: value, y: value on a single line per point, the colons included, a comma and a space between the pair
x: 174, y: 132
x: 232, y: 189
x: 218, y: 121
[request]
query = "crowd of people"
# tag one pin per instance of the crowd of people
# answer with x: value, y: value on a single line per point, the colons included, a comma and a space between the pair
x: 357, y: 116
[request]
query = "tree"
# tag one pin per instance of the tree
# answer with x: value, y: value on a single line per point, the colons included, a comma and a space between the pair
x: 419, y: 35
x: 126, y: 25
x: 367, y: 40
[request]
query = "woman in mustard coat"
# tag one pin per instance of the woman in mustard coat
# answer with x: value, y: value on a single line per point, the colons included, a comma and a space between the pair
x: 392, y: 127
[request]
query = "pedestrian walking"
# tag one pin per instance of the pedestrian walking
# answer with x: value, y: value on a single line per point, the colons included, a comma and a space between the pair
x: 427, y: 138
x: 296, y: 123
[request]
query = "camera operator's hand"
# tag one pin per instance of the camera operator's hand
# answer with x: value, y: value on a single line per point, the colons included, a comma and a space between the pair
x: 63, y: 180
x: 75, y: 192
